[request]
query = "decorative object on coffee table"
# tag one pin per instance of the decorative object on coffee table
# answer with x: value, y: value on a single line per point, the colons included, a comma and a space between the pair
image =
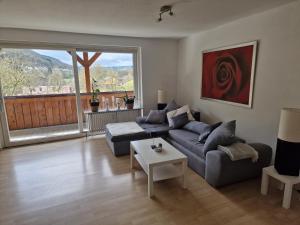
x: 287, y: 159
x: 161, y: 100
x: 129, y: 101
x: 154, y: 146
x: 228, y: 74
x: 157, y: 148
x: 94, y: 101
x: 288, y: 181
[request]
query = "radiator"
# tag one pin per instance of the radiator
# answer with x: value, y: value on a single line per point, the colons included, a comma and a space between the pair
x: 96, y: 121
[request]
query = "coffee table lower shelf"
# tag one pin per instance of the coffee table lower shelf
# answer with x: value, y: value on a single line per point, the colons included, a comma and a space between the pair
x: 161, y: 172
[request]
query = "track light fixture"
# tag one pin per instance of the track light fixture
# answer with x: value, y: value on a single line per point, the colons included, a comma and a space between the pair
x: 165, y: 9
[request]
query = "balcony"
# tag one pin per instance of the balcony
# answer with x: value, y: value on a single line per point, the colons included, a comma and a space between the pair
x: 44, y: 115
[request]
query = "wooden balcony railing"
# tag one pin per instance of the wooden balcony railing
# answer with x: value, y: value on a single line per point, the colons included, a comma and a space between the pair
x: 24, y: 112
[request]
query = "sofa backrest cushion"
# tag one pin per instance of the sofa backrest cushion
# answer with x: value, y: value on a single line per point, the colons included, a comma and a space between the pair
x: 156, y: 116
x: 172, y: 105
x: 222, y: 135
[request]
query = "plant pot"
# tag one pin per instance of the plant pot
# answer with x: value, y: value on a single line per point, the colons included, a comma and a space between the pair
x: 94, y: 106
x: 129, y: 105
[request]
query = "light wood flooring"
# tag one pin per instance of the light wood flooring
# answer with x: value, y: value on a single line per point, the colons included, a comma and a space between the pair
x: 80, y: 182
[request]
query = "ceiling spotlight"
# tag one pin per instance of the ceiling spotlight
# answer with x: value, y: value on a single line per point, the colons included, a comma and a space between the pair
x: 165, y: 9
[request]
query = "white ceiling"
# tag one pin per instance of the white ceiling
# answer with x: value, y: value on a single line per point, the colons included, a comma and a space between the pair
x: 127, y: 17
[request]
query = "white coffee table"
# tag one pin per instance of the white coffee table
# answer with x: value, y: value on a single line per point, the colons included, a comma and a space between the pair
x: 170, y: 163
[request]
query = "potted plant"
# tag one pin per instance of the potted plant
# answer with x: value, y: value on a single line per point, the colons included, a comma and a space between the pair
x: 129, y: 101
x: 95, y: 102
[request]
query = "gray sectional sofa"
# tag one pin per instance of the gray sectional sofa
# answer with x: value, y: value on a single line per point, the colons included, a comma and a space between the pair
x: 213, y: 165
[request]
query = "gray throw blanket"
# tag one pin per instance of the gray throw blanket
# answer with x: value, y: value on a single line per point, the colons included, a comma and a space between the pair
x: 239, y: 151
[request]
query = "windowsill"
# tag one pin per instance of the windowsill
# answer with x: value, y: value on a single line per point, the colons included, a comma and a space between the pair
x: 113, y: 110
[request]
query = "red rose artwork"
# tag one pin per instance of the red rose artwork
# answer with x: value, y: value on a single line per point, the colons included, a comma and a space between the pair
x: 228, y: 74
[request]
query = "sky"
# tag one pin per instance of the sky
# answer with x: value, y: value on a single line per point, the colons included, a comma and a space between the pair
x: 105, y: 59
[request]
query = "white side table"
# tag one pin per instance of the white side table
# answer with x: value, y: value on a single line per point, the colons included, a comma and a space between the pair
x: 288, y: 181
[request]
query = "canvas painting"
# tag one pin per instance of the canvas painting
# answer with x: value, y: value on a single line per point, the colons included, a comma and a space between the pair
x: 228, y: 74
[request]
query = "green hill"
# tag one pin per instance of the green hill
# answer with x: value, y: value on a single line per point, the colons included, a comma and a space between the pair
x: 32, y: 60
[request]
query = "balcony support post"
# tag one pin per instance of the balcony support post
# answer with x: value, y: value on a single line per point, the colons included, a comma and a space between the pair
x: 86, y: 63
x: 87, y: 72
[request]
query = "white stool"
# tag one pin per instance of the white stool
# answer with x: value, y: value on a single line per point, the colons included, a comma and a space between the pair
x: 288, y: 181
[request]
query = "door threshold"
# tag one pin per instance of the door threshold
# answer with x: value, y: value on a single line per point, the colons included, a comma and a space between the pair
x: 38, y: 139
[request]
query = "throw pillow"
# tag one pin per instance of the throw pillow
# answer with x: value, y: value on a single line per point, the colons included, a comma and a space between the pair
x: 195, y: 126
x: 222, y: 135
x: 156, y: 116
x: 171, y: 106
x: 176, y: 112
x: 180, y: 120
x: 207, y: 130
x: 140, y: 119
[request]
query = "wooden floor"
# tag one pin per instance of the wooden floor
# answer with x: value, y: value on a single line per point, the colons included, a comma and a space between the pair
x: 80, y: 182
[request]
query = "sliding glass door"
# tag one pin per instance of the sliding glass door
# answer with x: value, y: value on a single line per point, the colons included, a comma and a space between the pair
x: 44, y: 92
x: 38, y: 93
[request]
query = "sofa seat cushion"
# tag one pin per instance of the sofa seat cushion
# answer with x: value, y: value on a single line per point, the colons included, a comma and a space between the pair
x: 126, y: 131
x: 155, y: 129
x: 125, y: 137
x: 187, y: 139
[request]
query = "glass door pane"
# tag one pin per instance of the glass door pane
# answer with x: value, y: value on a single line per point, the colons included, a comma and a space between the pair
x: 112, y: 73
x: 39, y: 93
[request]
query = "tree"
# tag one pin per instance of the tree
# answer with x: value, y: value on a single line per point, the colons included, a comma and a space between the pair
x: 33, y: 80
x: 12, y: 76
x: 56, y: 80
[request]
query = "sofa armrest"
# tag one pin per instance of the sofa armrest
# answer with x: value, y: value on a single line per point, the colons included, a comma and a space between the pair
x: 221, y: 170
x: 141, y: 119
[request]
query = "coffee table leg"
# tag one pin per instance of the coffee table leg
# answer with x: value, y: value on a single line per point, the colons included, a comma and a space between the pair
x: 131, y: 158
x: 184, y: 169
x: 150, y: 181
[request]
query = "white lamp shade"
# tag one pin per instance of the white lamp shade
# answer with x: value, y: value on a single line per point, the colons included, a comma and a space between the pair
x: 161, y: 96
x: 289, y: 125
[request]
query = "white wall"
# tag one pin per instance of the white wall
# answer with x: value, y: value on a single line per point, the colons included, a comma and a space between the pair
x: 277, y: 79
x: 159, y: 56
